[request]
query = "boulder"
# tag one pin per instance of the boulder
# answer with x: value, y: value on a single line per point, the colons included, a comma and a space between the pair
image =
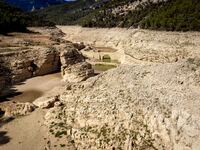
x: 46, y: 102
x: 70, y: 56
x: 73, y: 66
x: 18, y: 109
x: 78, y: 72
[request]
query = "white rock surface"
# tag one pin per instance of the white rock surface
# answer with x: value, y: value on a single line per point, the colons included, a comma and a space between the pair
x: 46, y: 102
x: 136, y: 46
x: 18, y: 109
x: 133, y: 107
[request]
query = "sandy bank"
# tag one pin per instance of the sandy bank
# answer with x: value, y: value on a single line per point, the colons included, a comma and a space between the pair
x: 33, y: 88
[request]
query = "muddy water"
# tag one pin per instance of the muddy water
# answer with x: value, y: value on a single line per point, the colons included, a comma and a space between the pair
x: 33, y: 88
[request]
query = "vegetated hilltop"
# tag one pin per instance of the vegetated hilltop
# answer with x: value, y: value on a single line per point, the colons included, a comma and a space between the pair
x: 14, y: 19
x: 68, y: 13
x: 172, y: 15
x: 11, y: 19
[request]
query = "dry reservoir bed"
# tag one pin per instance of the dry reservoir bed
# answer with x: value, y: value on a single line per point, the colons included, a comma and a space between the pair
x: 33, y: 88
x: 151, y: 103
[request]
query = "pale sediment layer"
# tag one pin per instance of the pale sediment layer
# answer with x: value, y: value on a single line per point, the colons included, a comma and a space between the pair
x: 139, y: 46
x: 132, y: 107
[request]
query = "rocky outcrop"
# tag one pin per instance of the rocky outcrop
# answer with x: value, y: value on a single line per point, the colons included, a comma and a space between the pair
x: 46, y: 102
x: 74, y: 68
x: 148, y: 105
x: 78, y: 72
x: 42, y: 58
x: 17, y: 109
x: 29, y: 63
x: 132, y: 107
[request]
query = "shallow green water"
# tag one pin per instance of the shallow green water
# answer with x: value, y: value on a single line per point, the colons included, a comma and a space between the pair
x: 103, y: 67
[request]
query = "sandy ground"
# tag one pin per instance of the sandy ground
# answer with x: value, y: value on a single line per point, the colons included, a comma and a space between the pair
x: 35, y: 87
x: 28, y: 133
x: 24, y: 133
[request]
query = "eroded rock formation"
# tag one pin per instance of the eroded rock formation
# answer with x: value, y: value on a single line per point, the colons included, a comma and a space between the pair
x: 18, y: 65
x: 30, y: 63
x: 74, y: 68
x: 17, y: 109
x: 148, y: 105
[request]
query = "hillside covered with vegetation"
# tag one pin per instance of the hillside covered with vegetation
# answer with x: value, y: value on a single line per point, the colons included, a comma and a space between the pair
x: 171, y: 15
x: 175, y: 15
x: 65, y: 14
x: 11, y: 19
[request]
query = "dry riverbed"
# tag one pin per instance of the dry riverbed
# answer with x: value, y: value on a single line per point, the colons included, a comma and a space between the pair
x: 28, y: 132
x: 33, y: 88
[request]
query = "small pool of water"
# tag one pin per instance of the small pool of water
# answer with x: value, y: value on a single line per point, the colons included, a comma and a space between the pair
x: 102, y: 67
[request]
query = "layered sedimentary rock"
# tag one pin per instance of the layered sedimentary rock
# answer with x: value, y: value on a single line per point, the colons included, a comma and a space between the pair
x: 28, y: 63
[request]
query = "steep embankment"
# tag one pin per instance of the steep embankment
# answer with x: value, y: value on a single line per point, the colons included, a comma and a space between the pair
x: 139, y: 46
x: 132, y: 107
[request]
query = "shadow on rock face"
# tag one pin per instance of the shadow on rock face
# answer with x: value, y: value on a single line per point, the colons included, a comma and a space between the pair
x: 1, y: 113
x: 4, y: 139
